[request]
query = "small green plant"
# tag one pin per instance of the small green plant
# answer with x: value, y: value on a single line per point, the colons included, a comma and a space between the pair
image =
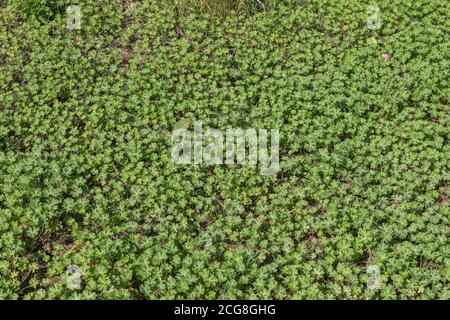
x: 222, y: 7
x: 40, y: 9
x: 93, y: 207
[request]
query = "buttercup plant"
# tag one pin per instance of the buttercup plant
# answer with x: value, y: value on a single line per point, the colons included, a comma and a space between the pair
x: 86, y: 170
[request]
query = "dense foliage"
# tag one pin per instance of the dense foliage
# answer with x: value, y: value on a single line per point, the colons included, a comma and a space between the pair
x: 86, y: 177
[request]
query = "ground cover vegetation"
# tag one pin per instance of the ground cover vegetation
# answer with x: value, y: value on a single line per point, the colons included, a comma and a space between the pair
x: 86, y: 177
